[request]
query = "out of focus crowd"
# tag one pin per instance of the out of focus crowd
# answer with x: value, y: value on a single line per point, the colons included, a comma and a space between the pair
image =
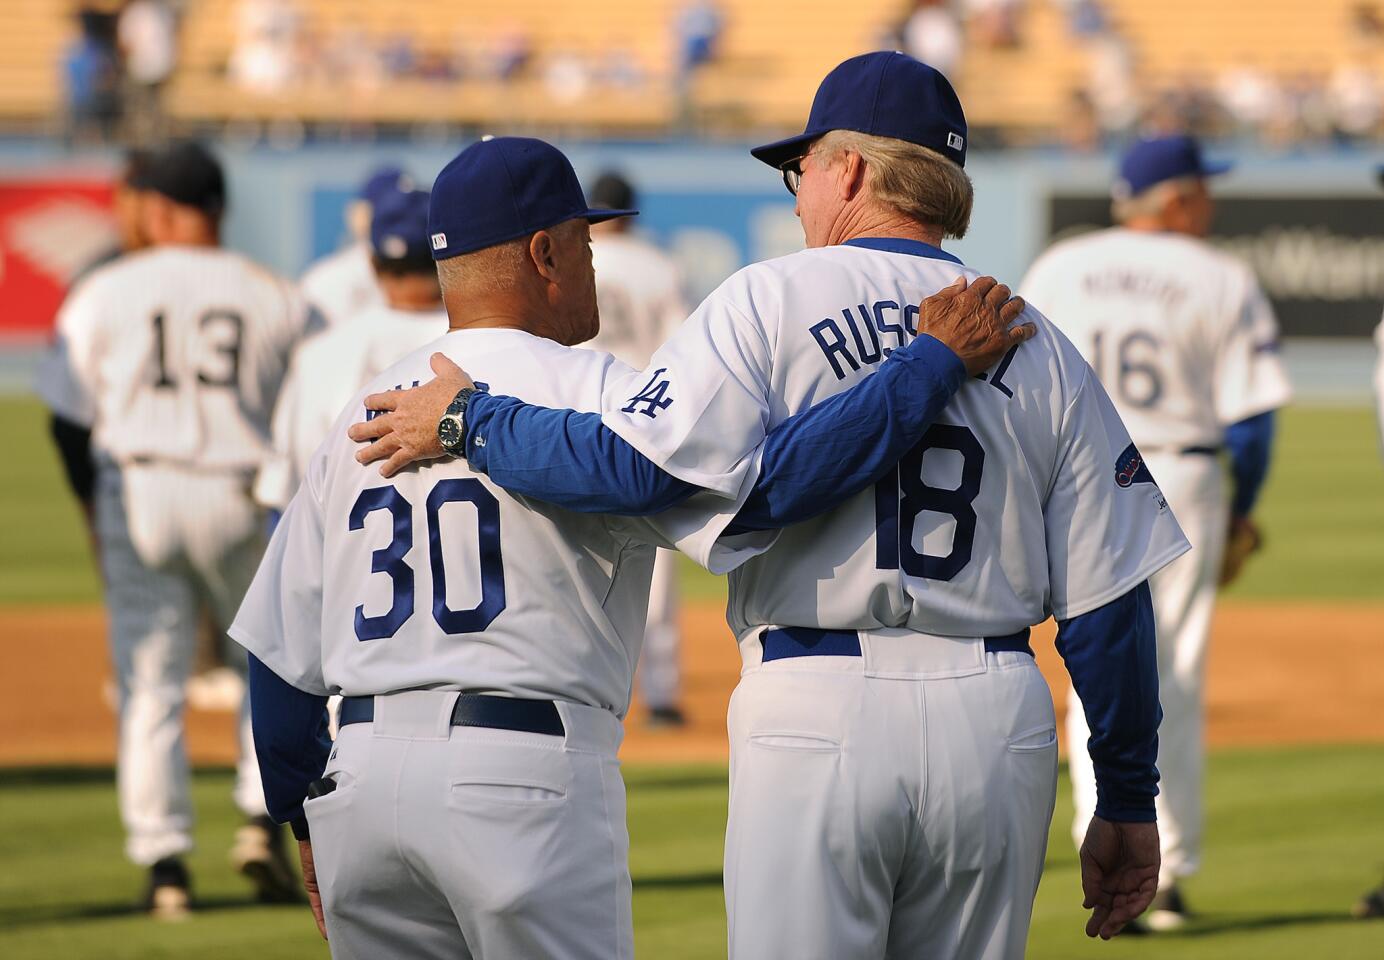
x: 1080, y: 73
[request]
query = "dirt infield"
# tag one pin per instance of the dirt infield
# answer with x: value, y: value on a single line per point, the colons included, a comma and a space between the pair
x: 1279, y: 673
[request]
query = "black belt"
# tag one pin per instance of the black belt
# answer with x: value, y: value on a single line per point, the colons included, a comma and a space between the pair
x: 782, y: 643
x: 1184, y: 451
x: 476, y: 710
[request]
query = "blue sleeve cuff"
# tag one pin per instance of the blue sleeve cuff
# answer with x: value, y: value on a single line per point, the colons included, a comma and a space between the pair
x: 1250, y: 443
x: 1112, y: 658
x: 291, y: 742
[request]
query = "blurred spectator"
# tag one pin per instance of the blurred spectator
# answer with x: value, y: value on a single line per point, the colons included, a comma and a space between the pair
x: 399, y: 56
x: 265, y: 57
x: 1251, y: 97
x: 620, y: 68
x: 1081, y: 130
x: 698, y: 30
x: 147, y: 32
x: 993, y: 23
x: 91, y: 78
x: 932, y: 34
x: 1354, y: 98
x: 510, y: 54
x: 566, y: 76
x: 1111, y: 83
x: 1086, y: 18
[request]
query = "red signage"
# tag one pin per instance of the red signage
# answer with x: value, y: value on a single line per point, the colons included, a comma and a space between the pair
x: 51, y: 229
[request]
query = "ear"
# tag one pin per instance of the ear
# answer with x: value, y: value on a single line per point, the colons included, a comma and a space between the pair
x: 852, y: 179
x: 543, y: 253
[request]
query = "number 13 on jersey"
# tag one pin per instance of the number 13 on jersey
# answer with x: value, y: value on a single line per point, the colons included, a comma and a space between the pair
x: 902, y: 495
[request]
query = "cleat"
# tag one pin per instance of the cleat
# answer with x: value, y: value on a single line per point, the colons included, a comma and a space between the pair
x: 1370, y: 906
x: 1167, y: 911
x: 169, y: 898
x: 259, y: 856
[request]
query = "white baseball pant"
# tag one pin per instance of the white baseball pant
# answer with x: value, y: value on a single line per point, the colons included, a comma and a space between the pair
x: 660, y: 673
x: 170, y: 540
x: 1184, y: 598
x: 468, y: 842
x: 893, y: 805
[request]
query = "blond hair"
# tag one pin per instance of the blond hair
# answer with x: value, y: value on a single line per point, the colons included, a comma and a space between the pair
x: 918, y: 182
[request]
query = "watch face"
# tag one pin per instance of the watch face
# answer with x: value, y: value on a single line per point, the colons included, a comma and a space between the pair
x: 449, y: 432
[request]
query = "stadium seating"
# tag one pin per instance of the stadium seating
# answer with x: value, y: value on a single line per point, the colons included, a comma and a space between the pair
x: 773, y: 53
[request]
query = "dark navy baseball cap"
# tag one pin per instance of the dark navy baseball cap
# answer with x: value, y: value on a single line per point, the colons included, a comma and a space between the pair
x: 886, y: 94
x: 186, y: 173
x: 383, y: 181
x: 399, y: 226
x: 1150, y: 162
x: 503, y: 188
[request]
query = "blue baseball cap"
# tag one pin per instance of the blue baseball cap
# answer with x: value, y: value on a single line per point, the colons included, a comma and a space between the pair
x: 503, y: 188
x: 886, y: 94
x: 1150, y: 162
x: 399, y: 226
x: 383, y: 181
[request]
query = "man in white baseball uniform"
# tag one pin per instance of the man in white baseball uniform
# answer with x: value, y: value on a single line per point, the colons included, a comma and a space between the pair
x: 1187, y: 344
x: 639, y: 290
x: 162, y: 380
x: 893, y: 746
x: 328, y: 369
x: 472, y: 805
x: 342, y: 283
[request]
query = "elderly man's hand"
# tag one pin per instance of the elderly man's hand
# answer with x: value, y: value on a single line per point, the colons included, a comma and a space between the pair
x: 974, y: 321
x: 1119, y: 873
x: 406, y: 431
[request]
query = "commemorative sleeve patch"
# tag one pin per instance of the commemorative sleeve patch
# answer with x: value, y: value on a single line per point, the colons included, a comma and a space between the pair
x: 1131, y: 469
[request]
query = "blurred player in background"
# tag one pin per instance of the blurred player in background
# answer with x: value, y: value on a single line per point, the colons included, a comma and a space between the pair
x: 342, y: 284
x: 640, y: 296
x: 329, y: 368
x: 161, y: 384
x: 1187, y: 344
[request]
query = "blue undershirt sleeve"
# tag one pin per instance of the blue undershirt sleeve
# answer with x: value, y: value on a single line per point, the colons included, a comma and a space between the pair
x: 811, y: 461
x: 1112, y: 658
x: 1250, y: 443
x: 291, y: 742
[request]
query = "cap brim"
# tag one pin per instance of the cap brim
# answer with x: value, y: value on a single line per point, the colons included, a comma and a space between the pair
x: 1217, y: 168
x: 781, y: 151
x: 600, y: 215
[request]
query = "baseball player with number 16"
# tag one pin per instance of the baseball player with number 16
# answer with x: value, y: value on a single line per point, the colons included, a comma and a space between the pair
x: 893, y: 745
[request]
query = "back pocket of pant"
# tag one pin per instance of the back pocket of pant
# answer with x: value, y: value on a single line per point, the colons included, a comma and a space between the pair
x: 1034, y: 741
x: 507, y: 790
x: 794, y: 741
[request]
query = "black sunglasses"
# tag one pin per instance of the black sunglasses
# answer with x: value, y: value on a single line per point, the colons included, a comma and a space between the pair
x: 792, y: 171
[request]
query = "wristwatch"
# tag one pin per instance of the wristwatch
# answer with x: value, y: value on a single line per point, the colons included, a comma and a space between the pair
x: 451, y: 429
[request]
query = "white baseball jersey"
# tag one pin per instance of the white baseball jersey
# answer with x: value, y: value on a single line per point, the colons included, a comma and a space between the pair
x: 1180, y: 334
x: 326, y: 371
x: 439, y: 579
x: 175, y: 354
x: 640, y: 296
x: 1379, y: 377
x: 342, y: 284
x: 1026, y: 499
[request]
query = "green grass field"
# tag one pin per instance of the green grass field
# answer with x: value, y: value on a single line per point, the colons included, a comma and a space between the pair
x: 1294, y: 834
x: 1287, y: 855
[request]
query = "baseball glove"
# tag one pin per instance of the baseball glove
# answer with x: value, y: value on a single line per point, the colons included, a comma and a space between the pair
x: 1241, y: 543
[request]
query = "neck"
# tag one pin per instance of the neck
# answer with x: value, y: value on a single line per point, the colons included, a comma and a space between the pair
x: 867, y: 221
x: 1146, y: 225
x: 497, y: 315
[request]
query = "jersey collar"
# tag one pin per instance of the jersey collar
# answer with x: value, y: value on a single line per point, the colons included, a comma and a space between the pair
x: 915, y: 248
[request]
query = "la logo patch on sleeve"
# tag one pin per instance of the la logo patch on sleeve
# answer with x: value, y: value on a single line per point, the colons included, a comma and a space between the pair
x: 1131, y: 469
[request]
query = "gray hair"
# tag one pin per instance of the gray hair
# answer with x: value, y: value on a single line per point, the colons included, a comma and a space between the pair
x: 492, y: 269
x: 920, y: 183
x: 1125, y: 206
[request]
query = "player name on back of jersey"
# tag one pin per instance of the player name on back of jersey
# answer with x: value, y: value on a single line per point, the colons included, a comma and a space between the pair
x: 866, y: 334
x: 1125, y: 282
